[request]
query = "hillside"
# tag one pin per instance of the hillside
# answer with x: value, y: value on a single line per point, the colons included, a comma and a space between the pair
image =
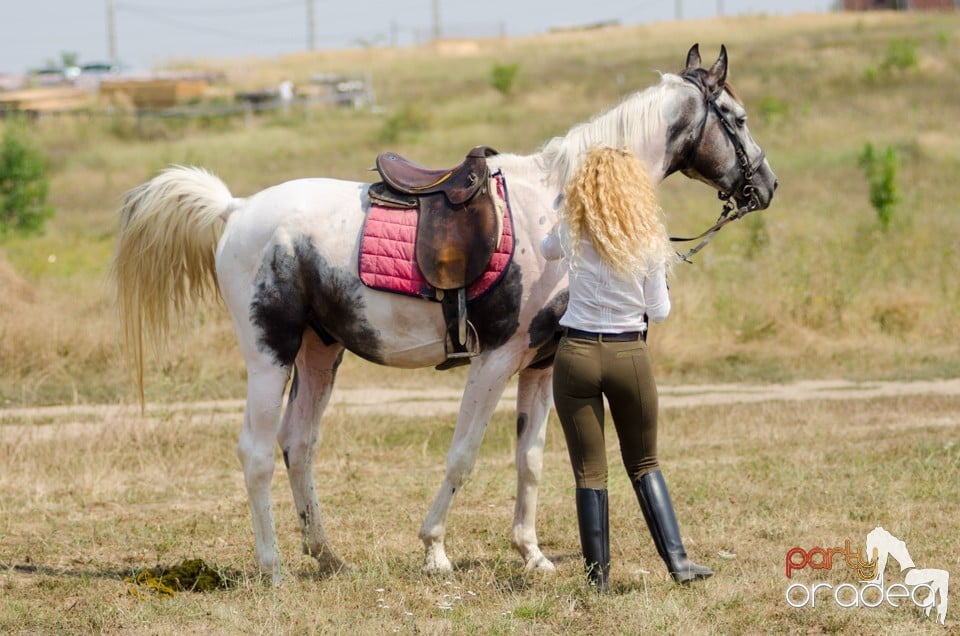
x: 814, y: 287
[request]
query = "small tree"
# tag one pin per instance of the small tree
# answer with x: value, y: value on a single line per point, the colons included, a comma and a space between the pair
x: 23, y: 186
x: 881, y: 172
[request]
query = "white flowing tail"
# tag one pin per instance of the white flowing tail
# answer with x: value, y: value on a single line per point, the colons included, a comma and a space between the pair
x: 165, y: 254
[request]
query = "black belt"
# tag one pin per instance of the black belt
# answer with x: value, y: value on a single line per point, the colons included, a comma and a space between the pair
x: 626, y: 336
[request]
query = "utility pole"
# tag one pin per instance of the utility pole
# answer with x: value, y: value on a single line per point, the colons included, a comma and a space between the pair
x: 719, y: 7
x: 311, y: 42
x: 678, y: 9
x: 436, y: 20
x: 111, y: 32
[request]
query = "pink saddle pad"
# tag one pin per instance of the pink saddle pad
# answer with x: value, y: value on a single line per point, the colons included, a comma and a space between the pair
x: 387, y: 260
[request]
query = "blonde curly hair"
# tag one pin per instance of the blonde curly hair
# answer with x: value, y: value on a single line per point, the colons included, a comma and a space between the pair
x: 611, y: 200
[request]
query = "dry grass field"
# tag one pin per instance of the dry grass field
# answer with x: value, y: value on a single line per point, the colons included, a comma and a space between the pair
x: 91, y: 495
x: 810, y: 299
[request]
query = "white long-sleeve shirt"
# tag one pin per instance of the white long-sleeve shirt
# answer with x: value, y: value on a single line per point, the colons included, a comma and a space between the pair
x: 601, y: 300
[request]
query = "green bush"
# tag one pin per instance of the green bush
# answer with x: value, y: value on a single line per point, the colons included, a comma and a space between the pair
x: 881, y: 172
x: 901, y: 54
x: 407, y: 120
x: 503, y: 77
x: 23, y: 185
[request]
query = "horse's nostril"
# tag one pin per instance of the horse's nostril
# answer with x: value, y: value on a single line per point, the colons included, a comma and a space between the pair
x: 776, y: 182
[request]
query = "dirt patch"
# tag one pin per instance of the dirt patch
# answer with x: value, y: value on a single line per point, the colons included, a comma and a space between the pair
x: 699, y: 395
x: 445, y: 401
x: 442, y: 401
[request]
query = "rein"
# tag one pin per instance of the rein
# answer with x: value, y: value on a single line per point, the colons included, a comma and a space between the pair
x: 708, y: 234
x: 730, y: 210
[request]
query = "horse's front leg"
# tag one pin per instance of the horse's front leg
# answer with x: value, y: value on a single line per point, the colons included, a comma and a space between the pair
x: 534, y: 398
x: 489, y: 374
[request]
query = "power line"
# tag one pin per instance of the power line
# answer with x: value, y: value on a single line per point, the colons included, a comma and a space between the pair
x: 192, y: 11
x: 254, y: 37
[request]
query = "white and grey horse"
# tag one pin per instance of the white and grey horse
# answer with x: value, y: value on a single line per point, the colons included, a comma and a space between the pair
x: 285, y: 259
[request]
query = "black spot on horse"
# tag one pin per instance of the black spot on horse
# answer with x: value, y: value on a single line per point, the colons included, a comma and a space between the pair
x: 496, y: 314
x: 545, y: 325
x: 521, y: 424
x: 545, y: 330
x: 297, y: 288
x: 278, y: 306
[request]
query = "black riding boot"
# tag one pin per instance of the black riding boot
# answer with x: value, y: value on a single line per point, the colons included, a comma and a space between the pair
x: 658, y: 511
x: 593, y: 518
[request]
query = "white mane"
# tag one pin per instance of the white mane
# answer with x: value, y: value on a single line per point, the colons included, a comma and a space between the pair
x: 630, y: 124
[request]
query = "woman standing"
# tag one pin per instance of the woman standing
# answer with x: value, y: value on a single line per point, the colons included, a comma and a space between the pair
x: 617, y: 253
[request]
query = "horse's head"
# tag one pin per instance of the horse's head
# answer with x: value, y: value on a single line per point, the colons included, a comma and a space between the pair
x: 710, y: 140
x: 881, y: 542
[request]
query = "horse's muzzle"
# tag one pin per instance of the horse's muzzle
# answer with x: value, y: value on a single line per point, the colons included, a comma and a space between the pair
x: 757, y: 192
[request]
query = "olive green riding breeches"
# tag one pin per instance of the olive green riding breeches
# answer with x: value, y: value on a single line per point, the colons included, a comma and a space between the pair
x: 584, y: 373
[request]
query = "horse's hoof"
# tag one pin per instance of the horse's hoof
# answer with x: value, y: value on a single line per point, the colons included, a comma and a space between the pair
x: 539, y: 565
x: 437, y: 564
x: 328, y: 562
x: 269, y: 571
x: 269, y: 578
x: 435, y: 569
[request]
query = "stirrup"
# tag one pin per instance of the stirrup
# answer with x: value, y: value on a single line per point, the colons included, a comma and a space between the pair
x: 460, y: 358
x: 469, y: 348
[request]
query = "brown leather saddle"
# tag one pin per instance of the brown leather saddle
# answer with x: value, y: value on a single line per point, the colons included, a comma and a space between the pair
x: 457, y: 230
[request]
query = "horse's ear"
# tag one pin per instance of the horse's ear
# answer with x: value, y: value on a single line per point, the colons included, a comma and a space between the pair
x: 693, y: 58
x: 717, y: 75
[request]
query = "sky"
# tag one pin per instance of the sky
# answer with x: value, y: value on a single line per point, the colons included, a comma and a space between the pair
x: 148, y: 33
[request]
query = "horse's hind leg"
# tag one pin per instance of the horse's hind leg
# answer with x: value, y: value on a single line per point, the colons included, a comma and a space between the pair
x: 316, y: 368
x: 534, y: 398
x: 261, y: 419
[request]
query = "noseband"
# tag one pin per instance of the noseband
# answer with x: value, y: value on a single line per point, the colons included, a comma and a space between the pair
x: 744, y: 185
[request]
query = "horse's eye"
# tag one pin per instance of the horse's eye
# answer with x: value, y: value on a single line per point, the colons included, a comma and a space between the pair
x: 741, y: 121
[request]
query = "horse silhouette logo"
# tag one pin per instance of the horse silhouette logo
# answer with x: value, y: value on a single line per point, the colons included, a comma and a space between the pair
x: 881, y: 545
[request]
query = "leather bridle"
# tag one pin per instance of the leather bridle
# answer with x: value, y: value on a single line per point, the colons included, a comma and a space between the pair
x: 744, y: 185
